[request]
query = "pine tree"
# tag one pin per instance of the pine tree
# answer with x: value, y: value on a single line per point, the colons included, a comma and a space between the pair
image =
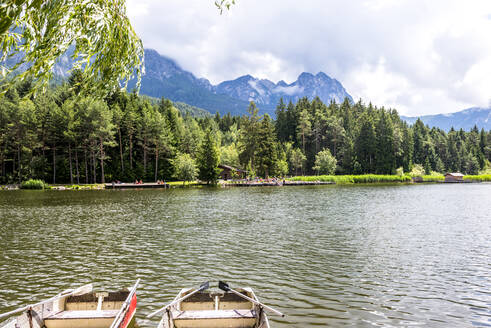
x: 419, y: 137
x: 304, y: 128
x: 249, y: 136
x: 281, y: 121
x: 385, y: 157
x: 365, y: 146
x: 266, y: 150
x: 209, y: 159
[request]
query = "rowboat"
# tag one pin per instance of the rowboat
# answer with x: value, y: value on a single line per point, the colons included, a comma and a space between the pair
x: 79, y: 308
x: 214, y: 308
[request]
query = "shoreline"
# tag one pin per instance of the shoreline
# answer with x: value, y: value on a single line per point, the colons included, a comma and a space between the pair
x: 295, y: 181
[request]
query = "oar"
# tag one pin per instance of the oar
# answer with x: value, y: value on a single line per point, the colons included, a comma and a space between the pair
x: 224, y: 286
x: 121, y: 314
x: 78, y: 291
x: 203, y: 286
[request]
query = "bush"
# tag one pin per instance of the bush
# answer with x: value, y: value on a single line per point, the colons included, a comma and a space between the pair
x: 32, y: 184
x: 417, y: 171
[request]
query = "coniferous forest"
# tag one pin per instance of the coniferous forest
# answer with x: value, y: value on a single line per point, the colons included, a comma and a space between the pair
x: 62, y: 136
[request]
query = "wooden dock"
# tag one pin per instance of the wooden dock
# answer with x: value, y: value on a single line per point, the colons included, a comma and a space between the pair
x: 136, y: 185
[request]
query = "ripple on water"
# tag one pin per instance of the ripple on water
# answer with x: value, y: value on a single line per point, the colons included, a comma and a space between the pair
x: 392, y: 256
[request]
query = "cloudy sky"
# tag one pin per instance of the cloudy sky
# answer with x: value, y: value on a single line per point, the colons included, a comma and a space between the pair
x: 421, y: 57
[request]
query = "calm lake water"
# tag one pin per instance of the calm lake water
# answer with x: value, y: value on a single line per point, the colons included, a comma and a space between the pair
x: 392, y: 256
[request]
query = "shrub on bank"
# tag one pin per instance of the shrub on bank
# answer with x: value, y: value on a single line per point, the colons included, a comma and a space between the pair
x: 32, y: 184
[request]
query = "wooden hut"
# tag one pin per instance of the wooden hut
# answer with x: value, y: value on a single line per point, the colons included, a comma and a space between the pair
x: 454, y: 177
x: 229, y: 172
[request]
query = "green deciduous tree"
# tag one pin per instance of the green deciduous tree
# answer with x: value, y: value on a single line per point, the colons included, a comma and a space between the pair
x: 297, y: 159
x: 325, y: 163
x: 229, y: 155
x: 185, y: 168
x: 39, y: 32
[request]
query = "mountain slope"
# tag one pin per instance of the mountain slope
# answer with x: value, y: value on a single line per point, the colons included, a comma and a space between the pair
x: 465, y: 119
x: 164, y: 78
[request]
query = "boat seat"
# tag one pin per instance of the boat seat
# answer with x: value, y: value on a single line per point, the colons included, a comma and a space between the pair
x: 212, y: 314
x: 83, y: 314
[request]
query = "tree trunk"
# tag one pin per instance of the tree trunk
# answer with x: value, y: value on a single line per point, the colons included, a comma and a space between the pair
x: 54, y: 164
x: 156, y: 162
x: 18, y: 161
x: 76, y: 166
x: 86, y: 168
x: 144, y: 156
x: 303, y: 141
x: 103, y: 179
x: 43, y: 150
x: 13, y: 165
x: 131, y: 151
x: 121, y: 151
x: 335, y: 142
x: 3, y: 165
x: 70, y: 162
x: 94, y: 178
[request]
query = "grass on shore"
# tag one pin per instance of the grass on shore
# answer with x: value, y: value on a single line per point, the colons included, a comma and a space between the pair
x: 478, y: 178
x: 349, y: 179
x: 376, y: 178
x: 433, y: 178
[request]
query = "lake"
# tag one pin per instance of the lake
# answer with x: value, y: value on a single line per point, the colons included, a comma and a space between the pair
x: 385, y: 255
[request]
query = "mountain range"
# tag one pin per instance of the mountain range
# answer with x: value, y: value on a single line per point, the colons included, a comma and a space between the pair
x: 465, y: 119
x: 164, y: 77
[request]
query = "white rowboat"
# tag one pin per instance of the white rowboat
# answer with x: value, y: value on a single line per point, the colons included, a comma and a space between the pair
x: 216, y: 309
x: 80, y: 308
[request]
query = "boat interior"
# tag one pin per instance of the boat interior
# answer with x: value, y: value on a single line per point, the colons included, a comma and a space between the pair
x: 92, y: 310
x: 213, y: 309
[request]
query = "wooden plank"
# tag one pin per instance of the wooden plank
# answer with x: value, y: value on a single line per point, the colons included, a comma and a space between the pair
x: 88, y: 314
x: 211, y: 314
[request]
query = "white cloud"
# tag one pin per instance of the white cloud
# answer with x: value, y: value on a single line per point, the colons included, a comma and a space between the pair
x: 254, y: 85
x: 421, y: 57
x: 288, y: 90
